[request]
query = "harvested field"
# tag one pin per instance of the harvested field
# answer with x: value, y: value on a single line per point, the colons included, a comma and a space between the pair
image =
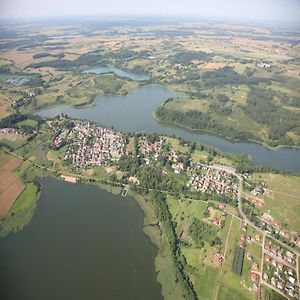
x: 10, y: 185
x: 11, y: 164
x: 9, y: 196
x: 9, y: 136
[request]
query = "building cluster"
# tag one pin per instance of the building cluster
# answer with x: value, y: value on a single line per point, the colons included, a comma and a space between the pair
x: 203, y: 178
x: 150, y: 150
x: 245, y: 239
x: 279, y: 269
x: 274, y: 227
x: 89, y: 144
x: 263, y: 65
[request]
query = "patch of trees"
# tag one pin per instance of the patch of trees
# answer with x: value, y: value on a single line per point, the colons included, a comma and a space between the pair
x: 11, y: 120
x: 262, y: 108
x: 56, y: 43
x: 186, y: 57
x: 47, y: 54
x: 163, y: 215
x: 24, y: 43
x: 123, y: 54
x: 200, y: 121
x: 223, y: 98
x: 226, y: 76
x: 220, y: 109
x: 88, y: 59
x: 202, y: 232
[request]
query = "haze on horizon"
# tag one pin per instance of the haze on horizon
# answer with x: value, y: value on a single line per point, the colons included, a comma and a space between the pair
x: 275, y: 10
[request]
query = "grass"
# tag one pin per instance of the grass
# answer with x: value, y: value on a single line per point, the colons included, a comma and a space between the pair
x: 187, y: 209
x: 226, y: 228
x: 200, y: 156
x: 175, y: 143
x: 188, y: 104
x: 206, y: 283
x: 21, y: 212
x: 28, y: 123
x: 26, y: 199
x: 284, y: 202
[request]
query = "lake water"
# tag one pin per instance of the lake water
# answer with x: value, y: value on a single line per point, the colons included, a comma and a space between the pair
x: 82, y: 243
x: 118, y: 72
x: 134, y: 112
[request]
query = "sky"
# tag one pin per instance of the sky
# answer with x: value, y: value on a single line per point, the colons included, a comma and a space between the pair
x: 277, y: 10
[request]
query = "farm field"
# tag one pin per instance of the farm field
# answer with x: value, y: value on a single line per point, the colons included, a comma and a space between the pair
x: 11, y: 186
x: 283, y: 199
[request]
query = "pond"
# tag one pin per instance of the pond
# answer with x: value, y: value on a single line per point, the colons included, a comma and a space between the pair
x: 82, y: 243
x: 134, y: 113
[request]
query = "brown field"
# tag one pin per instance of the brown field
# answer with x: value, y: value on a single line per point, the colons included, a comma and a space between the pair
x: 11, y: 164
x: 17, y: 57
x: 9, y: 136
x: 10, y: 185
x: 10, y: 195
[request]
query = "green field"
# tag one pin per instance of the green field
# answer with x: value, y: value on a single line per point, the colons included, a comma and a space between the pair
x: 27, y: 123
x: 284, y: 202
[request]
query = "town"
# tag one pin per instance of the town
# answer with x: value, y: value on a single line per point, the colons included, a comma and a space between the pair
x: 88, y: 144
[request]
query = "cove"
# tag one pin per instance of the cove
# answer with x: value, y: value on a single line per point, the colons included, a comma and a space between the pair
x: 118, y: 72
x: 82, y: 243
x: 134, y: 113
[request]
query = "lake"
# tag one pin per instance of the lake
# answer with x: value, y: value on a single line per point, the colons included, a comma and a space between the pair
x: 82, y: 243
x: 118, y: 72
x: 134, y: 113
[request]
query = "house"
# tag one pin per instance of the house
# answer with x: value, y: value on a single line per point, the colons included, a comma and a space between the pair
x: 254, y: 288
x: 267, y: 257
x: 254, y: 276
x: 178, y: 168
x: 242, y: 244
x: 222, y: 205
x: 219, y: 258
x: 280, y: 285
x: 249, y: 256
x: 254, y: 266
x: 257, y: 237
x: 292, y: 280
x: 218, y: 223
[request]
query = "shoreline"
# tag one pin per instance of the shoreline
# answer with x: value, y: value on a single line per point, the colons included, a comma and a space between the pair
x: 94, y: 101
x: 152, y: 233
x: 249, y: 141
